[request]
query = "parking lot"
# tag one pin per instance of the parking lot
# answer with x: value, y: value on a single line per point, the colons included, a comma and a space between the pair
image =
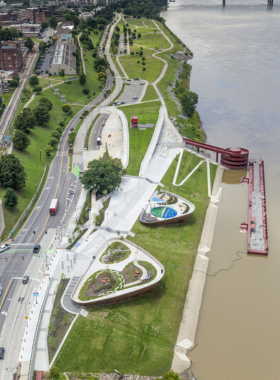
x: 132, y: 88
x: 45, y: 60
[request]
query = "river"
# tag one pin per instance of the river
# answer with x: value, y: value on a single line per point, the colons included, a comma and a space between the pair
x: 236, y: 73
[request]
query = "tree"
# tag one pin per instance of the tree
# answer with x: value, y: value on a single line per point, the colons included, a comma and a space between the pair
x: 86, y: 91
x: 82, y: 79
x: 25, y: 120
x: 37, y: 89
x: 117, y: 29
x: 103, y: 174
x: 53, y: 21
x: 14, y: 83
x: 33, y: 81
x: 42, y: 46
x: 65, y: 108
x: 61, y: 73
x: 53, y: 142
x: 48, y: 150
x: 20, y: 140
x: 10, y: 199
x: 139, y: 35
x: 44, y: 25
x: 12, y: 172
x: 29, y: 44
x: 171, y: 375
x: 189, y: 100
x: 26, y: 92
x: 144, y: 69
x: 41, y: 114
x: 61, y: 123
x: 101, y: 76
x: 47, y: 103
x: 14, y: 33
x: 16, y: 77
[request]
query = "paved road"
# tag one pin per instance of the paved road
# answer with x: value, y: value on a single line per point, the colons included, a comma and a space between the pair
x: 97, y: 131
x: 56, y: 186
x: 132, y: 88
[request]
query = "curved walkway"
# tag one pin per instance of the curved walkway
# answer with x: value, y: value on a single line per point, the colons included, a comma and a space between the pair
x: 82, y: 56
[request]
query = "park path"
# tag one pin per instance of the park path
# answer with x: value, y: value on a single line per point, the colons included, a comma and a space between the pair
x: 82, y: 55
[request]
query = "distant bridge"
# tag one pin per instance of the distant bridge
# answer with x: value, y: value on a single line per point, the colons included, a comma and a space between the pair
x: 269, y: 2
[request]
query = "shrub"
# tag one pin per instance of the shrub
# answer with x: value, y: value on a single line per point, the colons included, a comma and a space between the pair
x: 86, y: 91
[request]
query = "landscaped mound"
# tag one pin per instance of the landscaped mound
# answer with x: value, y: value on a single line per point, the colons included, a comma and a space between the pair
x: 115, y: 253
x: 101, y: 283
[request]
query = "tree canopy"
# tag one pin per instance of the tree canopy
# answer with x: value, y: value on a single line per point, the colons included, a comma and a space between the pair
x: 29, y: 44
x: 25, y: 120
x: 33, y: 81
x: 20, y: 140
x: 12, y: 172
x: 103, y: 174
x: 188, y: 101
x: 47, y: 103
x: 53, y: 21
x: 65, y: 108
x: 10, y: 199
x: 41, y: 114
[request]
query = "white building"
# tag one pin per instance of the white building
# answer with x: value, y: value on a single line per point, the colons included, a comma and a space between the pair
x: 62, y: 57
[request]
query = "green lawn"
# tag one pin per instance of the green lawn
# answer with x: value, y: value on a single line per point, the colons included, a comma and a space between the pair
x: 138, y: 336
x: 135, y: 21
x: 150, y: 94
x: 150, y: 24
x: 140, y: 140
x: 60, y: 78
x: 144, y: 30
x: 30, y: 158
x: 154, y: 40
x: 7, y: 96
x: 134, y: 69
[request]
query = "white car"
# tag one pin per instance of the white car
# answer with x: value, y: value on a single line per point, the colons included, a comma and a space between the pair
x: 4, y: 247
x: 135, y: 97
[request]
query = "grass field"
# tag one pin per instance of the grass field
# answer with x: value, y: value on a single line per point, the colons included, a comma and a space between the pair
x: 134, y: 69
x: 154, y: 41
x: 144, y: 329
x: 30, y: 158
x: 150, y: 94
x: 7, y: 96
x: 140, y: 140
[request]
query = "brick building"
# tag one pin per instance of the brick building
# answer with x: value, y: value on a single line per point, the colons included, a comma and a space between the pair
x: 27, y: 30
x: 12, y: 56
x: 9, y: 16
x: 34, y: 15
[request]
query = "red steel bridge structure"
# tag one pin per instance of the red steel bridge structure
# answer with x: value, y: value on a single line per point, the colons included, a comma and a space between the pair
x: 232, y: 158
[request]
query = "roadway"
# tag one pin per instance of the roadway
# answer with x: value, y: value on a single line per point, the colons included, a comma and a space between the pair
x: 13, y: 269
x: 56, y: 186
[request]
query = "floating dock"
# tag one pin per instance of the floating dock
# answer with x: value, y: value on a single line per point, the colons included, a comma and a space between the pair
x: 257, y: 219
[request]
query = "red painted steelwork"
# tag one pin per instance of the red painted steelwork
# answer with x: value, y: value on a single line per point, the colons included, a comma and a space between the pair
x: 232, y: 158
x: 250, y: 218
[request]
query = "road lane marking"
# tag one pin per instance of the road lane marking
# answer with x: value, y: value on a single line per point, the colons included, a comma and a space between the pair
x: 11, y: 280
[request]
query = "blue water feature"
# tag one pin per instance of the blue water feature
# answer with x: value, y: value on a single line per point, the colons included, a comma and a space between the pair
x: 169, y: 213
x: 156, y: 199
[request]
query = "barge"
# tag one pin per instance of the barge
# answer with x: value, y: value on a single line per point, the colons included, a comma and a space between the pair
x: 257, y: 218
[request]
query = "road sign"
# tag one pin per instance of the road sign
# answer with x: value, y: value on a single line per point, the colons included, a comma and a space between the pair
x: 26, y: 317
x: 37, y: 255
x: 36, y: 294
x: 76, y: 171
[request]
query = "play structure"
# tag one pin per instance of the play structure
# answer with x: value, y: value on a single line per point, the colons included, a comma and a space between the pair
x: 166, y: 208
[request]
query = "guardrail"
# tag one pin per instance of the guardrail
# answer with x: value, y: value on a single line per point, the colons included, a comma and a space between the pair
x: 125, y: 158
x: 153, y: 142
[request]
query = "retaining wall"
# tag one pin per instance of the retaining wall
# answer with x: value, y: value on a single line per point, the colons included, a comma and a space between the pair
x: 125, y: 158
x: 154, y: 141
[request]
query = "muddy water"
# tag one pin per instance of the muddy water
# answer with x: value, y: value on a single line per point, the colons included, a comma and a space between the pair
x: 236, y: 73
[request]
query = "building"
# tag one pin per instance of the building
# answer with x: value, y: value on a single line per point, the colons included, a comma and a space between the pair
x: 8, y: 16
x: 34, y: 15
x: 28, y: 30
x: 62, y: 57
x: 69, y: 25
x: 12, y: 56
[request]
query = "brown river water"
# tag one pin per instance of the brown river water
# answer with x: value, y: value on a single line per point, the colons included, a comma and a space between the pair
x: 236, y: 73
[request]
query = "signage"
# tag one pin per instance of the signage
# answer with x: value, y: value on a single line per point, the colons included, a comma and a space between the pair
x: 36, y: 294
x: 37, y: 255
x: 26, y: 317
x: 46, y: 274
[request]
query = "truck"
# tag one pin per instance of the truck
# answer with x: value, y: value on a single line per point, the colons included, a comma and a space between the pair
x: 54, y: 206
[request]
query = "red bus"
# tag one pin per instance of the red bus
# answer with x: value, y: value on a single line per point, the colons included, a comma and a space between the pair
x: 54, y: 206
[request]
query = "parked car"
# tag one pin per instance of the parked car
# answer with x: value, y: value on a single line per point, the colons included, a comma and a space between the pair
x: 36, y: 248
x: 135, y: 97
x: 4, y: 247
x: 25, y: 279
x: 123, y: 102
x: 136, y: 78
x: 2, y: 350
x: 128, y: 80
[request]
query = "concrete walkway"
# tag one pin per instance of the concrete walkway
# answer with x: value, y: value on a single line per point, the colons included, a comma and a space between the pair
x: 82, y: 55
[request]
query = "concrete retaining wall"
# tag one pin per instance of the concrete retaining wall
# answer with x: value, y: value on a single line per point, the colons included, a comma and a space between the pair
x: 176, y: 220
x: 125, y: 158
x: 154, y: 141
x: 2, y: 219
x: 190, y: 317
